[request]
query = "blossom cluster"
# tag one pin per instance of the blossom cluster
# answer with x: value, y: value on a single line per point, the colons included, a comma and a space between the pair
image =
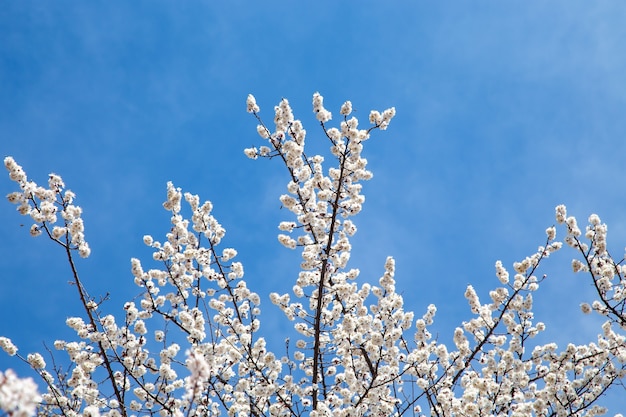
x: 498, y: 370
x: 342, y: 360
x: 191, y: 343
x: 18, y: 396
x: 608, y: 274
x: 43, y: 204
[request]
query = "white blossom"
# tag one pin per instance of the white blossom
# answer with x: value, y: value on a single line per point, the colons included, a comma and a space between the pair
x: 36, y: 361
x: 251, y: 104
x: 354, y: 354
x: 8, y: 346
x: 18, y: 396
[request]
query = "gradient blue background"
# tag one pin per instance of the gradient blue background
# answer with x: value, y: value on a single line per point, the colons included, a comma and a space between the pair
x: 504, y: 110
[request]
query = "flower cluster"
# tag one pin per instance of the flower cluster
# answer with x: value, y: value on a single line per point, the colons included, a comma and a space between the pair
x: 608, y: 274
x: 18, y: 396
x: 190, y: 344
x: 497, y: 370
x: 43, y: 204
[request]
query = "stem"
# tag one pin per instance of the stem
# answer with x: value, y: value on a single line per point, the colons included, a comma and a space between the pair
x: 317, y: 324
x: 84, y: 300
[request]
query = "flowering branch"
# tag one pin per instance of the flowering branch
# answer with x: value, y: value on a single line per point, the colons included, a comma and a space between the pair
x: 354, y: 355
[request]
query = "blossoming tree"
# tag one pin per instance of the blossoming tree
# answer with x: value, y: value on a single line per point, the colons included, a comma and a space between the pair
x: 193, y: 345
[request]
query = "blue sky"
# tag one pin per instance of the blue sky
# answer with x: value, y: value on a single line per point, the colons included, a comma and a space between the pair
x: 504, y: 110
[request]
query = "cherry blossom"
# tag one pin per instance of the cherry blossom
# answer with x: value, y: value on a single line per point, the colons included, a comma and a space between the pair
x: 191, y: 343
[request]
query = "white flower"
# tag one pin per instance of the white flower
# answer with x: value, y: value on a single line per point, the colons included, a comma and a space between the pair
x: 594, y: 220
x: 228, y: 254
x: 200, y: 373
x: 36, y: 361
x: 502, y: 273
x: 35, y: 230
x: 147, y: 240
x: 572, y: 226
x: 58, y: 232
x: 298, y: 291
x: 251, y: 153
x: 84, y: 250
x: 16, y: 173
x: 321, y: 113
x: 18, y: 397
x: 263, y: 132
x: 55, y: 183
x: 75, y: 323
x: 6, y: 344
x: 140, y: 327
x: 387, y: 115
x: 286, y: 226
x: 561, y: 214
x: 375, y: 117
x: 251, y: 104
x: 287, y: 241
x: 578, y: 266
x: 346, y: 108
x: 91, y: 411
